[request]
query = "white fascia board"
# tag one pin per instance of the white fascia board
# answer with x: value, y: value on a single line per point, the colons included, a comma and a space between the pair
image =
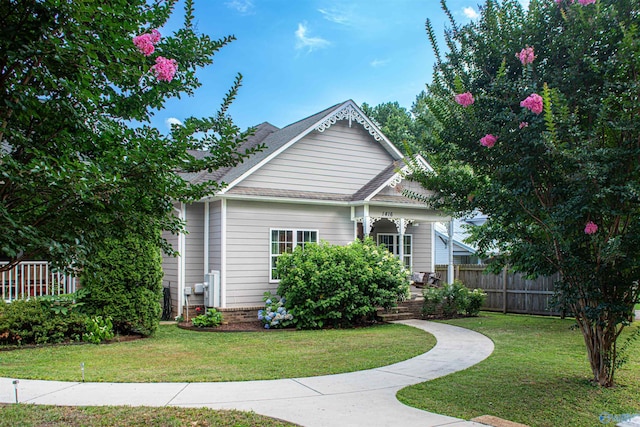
x: 403, y: 172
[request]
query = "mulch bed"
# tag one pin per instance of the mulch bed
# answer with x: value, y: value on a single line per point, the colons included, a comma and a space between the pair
x: 256, y: 326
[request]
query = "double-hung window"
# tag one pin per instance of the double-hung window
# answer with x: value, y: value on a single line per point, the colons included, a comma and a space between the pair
x: 284, y: 241
x: 392, y: 243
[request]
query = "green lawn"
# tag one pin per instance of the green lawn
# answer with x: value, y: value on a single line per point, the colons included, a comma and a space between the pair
x: 178, y: 355
x: 103, y: 416
x: 538, y: 375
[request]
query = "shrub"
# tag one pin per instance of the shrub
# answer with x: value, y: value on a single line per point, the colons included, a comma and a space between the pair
x: 474, y: 301
x: 98, y: 329
x: 34, y: 322
x: 327, y: 285
x: 275, y: 314
x: 124, y: 282
x: 452, y: 299
x: 210, y: 319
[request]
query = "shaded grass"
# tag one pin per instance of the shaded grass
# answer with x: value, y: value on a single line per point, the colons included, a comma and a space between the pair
x: 178, y: 355
x: 538, y: 375
x: 57, y: 416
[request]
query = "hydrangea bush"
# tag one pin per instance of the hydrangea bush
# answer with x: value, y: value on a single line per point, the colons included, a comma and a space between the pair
x: 340, y: 286
x: 275, y: 314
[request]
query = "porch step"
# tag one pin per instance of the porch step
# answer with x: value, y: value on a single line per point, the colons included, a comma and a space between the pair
x: 395, y: 313
x: 389, y: 317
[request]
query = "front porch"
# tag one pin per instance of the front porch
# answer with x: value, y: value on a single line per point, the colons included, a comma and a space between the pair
x: 33, y: 279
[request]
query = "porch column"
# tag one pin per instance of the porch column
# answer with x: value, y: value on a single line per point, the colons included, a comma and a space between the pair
x: 401, y: 228
x: 366, y: 222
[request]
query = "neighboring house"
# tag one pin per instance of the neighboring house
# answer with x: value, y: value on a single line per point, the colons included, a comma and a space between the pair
x: 463, y: 253
x: 332, y: 176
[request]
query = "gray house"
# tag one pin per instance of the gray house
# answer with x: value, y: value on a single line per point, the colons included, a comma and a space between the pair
x: 332, y: 176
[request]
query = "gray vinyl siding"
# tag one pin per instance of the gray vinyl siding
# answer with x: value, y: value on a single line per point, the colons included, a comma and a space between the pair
x: 422, y: 247
x: 339, y: 160
x: 215, y: 235
x: 194, y: 250
x: 248, y: 241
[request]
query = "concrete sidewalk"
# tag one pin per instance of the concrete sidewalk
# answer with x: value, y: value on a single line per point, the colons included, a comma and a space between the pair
x: 363, y: 398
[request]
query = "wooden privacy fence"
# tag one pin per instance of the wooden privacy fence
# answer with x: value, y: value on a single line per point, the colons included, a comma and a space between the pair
x: 506, y: 292
x: 34, y: 278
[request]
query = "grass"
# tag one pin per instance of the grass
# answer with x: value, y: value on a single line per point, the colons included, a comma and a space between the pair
x: 538, y: 375
x: 56, y: 416
x: 178, y: 355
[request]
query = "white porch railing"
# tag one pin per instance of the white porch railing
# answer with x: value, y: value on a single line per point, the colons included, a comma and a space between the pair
x: 34, y: 278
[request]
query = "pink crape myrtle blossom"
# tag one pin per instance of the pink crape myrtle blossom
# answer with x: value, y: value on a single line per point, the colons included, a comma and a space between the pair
x: 586, y: 2
x: 533, y: 103
x: 155, y: 36
x: 464, y: 99
x: 526, y: 55
x: 488, y: 140
x: 165, y: 69
x: 523, y: 125
x: 590, y: 228
x: 146, y: 42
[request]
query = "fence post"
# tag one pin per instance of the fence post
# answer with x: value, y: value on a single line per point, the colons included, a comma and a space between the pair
x: 505, y: 277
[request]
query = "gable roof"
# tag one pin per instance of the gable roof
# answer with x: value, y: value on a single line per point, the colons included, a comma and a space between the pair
x: 281, y: 139
x: 277, y: 140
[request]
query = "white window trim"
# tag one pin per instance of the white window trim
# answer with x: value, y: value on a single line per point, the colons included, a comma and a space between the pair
x: 294, y: 232
x: 396, y: 241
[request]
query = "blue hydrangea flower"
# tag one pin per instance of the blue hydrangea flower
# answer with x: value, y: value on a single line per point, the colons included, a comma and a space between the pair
x: 268, y: 301
x: 266, y: 326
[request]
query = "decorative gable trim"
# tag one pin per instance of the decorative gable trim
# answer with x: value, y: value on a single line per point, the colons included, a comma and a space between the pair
x: 348, y: 112
x: 401, y: 174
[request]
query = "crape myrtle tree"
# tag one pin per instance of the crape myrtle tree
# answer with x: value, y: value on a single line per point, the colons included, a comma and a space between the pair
x: 539, y: 114
x: 79, y: 159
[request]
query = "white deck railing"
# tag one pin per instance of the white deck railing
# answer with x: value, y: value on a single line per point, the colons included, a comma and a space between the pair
x: 34, y: 278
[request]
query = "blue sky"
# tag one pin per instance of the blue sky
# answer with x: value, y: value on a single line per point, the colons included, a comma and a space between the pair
x: 298, y: 57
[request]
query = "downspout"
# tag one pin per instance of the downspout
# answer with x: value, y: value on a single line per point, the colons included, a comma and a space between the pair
x: 182, y: 249
x: 223, y: 253
x: 206, y: 237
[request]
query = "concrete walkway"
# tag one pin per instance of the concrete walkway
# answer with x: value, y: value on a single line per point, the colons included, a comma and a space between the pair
x: 363, y: 398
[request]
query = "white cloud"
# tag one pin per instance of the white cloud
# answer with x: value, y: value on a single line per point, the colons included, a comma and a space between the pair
x: 242, y: 6
x: 172, y: 121
x: 470, y: 13
x: 379, y: 63
x: 302, y: 41
x: 335, y: 16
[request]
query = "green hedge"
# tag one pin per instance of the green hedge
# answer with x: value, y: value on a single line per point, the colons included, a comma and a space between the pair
x: 40, y: 321
x: 339, y: 286
x: 124, y: 283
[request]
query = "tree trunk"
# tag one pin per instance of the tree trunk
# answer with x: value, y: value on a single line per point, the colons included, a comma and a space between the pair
x: 600, y: 339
